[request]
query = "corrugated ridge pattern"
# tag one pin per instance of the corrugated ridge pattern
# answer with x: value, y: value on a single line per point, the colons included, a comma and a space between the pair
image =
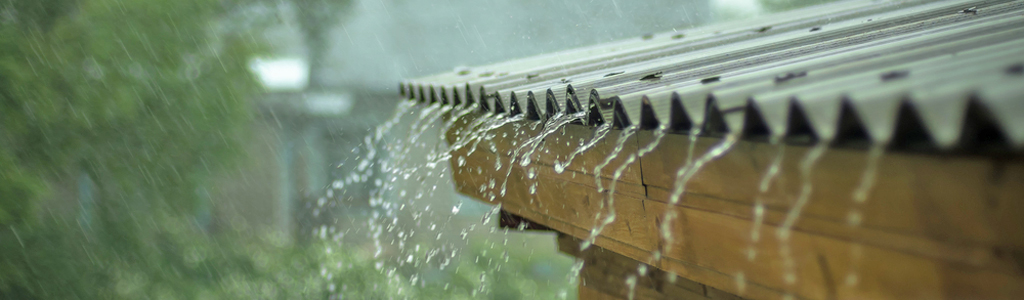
x: 946, y: 75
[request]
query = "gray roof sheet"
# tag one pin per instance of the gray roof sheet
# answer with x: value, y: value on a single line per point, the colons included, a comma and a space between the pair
x: 940, y: 75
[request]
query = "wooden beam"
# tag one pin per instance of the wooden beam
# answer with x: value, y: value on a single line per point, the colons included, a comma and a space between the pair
x: 606, y: 272
x: 933, y: 226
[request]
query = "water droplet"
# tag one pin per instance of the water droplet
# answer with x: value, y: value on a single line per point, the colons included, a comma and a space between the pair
x: 741, y: 283
x: 851, y: 279
x: 853, y: 218
x: 790, y: 278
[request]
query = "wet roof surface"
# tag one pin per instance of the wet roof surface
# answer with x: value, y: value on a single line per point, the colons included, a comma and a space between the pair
x: 945, y: 76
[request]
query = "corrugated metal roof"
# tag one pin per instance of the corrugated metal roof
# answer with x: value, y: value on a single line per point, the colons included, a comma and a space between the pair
x: 914, y: 74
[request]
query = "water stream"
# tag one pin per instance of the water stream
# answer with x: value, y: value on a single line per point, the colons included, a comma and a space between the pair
x: 395, y: 245
x: 683, y: 176
x: 759, y: 209
x: 855, y: 217
x: 785, y: 230
x: 399, y: 220
x: 620, y: 143
x: 657, y: 136
x: 599, y: 134
x: 484, y: 133
x: 442, y: 153
x: 553, y: 124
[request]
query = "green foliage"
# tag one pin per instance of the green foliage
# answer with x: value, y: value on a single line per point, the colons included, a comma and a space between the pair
x: 39, y: 15
x: 149, y: 99
x: 489, y: 272
x: 144, y: 93
x: 15, y: 186
x: 166, y: 258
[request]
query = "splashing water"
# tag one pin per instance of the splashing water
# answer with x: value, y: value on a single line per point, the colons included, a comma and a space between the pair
x: 553, y: 124
x: 631, y: 280
x: 440, y: 153
x: 599, y: 134
x: 666, y: 230
x: 683, y: 177
x: 658, y: 134
x: 401, y: 182
x: 741, y: 283
x: 867, y: 182
x: 396, y: 252
x: 491, y: 213
x: 694, y: 133
x: 574, y: 272
x: 476, y: 131
x: 465, y: 134
x: 385, y: 128
x: 473, y: 133
x: 483, y: 135
x: 860, y: 197
x: 619, y: 144
x: 631, y: 284
x: 784, y: 231
x: 423, y: 122
x: 427, y: 118
x: 769, y: 176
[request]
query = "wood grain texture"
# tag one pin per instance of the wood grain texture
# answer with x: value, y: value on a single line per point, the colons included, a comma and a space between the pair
x: 606, y: 271
x: 934, y: 226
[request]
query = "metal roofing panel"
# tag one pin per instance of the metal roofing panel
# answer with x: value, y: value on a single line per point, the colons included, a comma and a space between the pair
x: 943, y: 64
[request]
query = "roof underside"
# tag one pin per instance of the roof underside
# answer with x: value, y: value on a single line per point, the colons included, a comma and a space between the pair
x: 946, y: 75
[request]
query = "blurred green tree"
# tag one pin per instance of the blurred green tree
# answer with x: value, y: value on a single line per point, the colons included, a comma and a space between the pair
x: 146, y: 98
